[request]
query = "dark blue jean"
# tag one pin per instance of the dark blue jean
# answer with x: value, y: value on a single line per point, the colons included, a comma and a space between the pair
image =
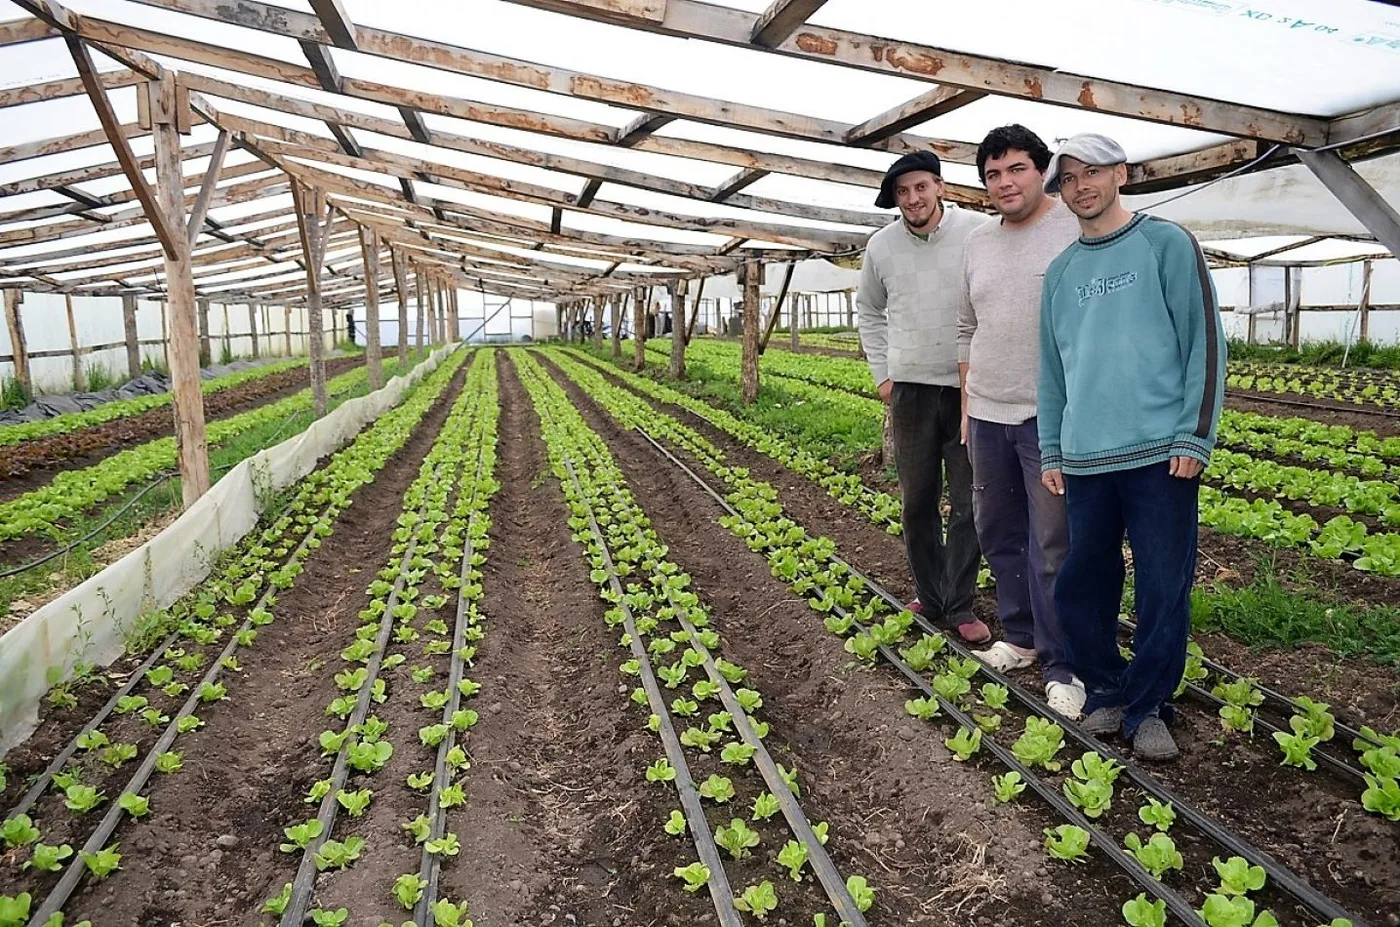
x: 1158, y: 513
x: 1022, y: 530
x: 927, y: 421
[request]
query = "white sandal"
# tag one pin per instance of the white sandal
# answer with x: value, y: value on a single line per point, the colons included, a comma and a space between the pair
x: 1067, y: 698
x: 1004, y: 658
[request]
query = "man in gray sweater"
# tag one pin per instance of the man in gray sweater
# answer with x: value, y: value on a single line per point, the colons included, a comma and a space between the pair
x: 910, y: 289
x: 1021, y: 525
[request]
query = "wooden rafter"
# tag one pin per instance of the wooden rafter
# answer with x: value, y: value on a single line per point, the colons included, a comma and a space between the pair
x: 782, y: 19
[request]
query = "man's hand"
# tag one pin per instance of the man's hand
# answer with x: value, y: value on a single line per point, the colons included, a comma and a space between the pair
x: 1186, y: 468
x: 1053, y: 480
x: 885, y: 388
x: 964, y: 423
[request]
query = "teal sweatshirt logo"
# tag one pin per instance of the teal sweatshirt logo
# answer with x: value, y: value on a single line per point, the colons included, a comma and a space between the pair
x: 1100, y: 286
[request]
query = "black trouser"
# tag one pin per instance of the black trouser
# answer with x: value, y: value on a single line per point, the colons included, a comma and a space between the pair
x: 927, y: 422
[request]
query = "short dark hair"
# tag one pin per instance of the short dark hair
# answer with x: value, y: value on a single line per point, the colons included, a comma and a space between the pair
x: 1006, y: 138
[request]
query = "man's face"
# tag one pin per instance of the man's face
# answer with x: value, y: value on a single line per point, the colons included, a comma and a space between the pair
x: 918, y: 194
x: 1089, y: 190
x: 1015, y: 186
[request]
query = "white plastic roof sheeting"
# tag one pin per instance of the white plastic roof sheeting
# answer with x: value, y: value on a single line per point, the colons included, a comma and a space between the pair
x: 1244, y: 52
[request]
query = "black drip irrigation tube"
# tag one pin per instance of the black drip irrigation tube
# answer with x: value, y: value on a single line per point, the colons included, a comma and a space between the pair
x: 61, y: 892
x: 1258, y: 396
x: 721, y: 892
x: 1280, y: 875
x: 430, y: 868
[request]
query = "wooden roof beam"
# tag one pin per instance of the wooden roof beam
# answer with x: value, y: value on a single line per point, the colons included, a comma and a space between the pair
x: 338, y: 25
x: 84, y: 174
x: 931, y: 105
x: 698, y: 20
x: 640, y: 128
x: 65, y: 87
x: 736, y: 183
x: 782, y: 19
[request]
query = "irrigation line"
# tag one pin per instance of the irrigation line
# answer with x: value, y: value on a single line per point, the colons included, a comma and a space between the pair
x: 61, y: 892
x: 304, y: 884
x: 721, y: 892
x: 430, y: 867
x: 1280, y: 875
x: 1357, y: 407
x: 1178, y: 905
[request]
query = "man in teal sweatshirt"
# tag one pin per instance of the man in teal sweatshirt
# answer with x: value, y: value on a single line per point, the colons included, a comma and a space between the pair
x: 1132, y: 379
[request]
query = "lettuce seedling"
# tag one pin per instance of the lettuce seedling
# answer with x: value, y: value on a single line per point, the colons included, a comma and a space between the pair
x: 451, y: 796
x: 1313, y: 719
x: 1157, y: 855
x: 1234, y: 718
x: 14, y: 912
x: 675, y: 824
x: 732, y: 672
x: 134, y: 804
x: 759, y: 900
x: 1005, y: 788
x: 354, y: 802
x: 446, y: 845
x: 995, y: 696
x: 62, y: 780
x: 408, y: 889
x: 673, y: 674
x: 92, y: 740
x: 695, y: 876
x: 765, y: 806
x: 367, y: 758
x: 700, y: 739
x: 319, y: 790
x: 332, y: 741
x: 1093, y: 797
x: 103, y: 863
x: 47, y: 858
x: 964, y: 743
x: 213, y: 692
x: 951, y: 686
x: 154, y: 717
x: 1383, y: 762
x: 793, y: 855
x: 1225, y: 911
x: 19, y: 831
x: 863, y: 645
x: 685, y: 707
x: 789, y: 777
x: 457, y: 758
x: 1297, y: 749
x: 1093, y: 766
x: 336, y: 854
x: 464, y: 719
x: 299, y: 836
x: 738, y: 838
x: 1067, y: 842
x: 422, y: 673
x: 718, y: 789
x: 1039, y: 743
x: 1139, y: 912
x: 118, y: 754
x: 433, y: 734
x: 130, y: 703
x: 705, y: 689
x: 468, y: 687
x: 175, y: 689
x: 420, y: 781
x: 1158, y: 815
x: 736, y: 754
x: 335, y: 918
x: 1237, y: 876
x: 749, y: 700
x: 861, y: 892
x: 278, y: 902
x: 1382, y: 796
x: 170, y: 762
x: 82, y: 798
x: 925, y: 709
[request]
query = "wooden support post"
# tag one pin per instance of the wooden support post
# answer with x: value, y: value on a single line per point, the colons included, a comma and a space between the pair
x: 597, y: 323
x: 850, y: 309
x: 1365, y: 310
x: 695, y: 312
x: 179, y: 283
x: 677, y: 291
x: 165, y: 332
x: 750, y: 275
x: 401, y: 287
x: 777, y: 313
x: 418, y: 331
x: 18, y: 349
x: 253, y: 329
x: 639, y: 328
x: 313, y: 221
x: 369, y: 252
x: 228, y: 340
x: 133, y: 341
x: 203, y: 310
x: 79, y: 377
x: 616, y: 307
x: 267, y: 326
x: 287, y: 327
x: 456, y: 327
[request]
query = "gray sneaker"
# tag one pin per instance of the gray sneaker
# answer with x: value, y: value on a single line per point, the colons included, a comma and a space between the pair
x: 1153, y: 741
x: 1102, y: 721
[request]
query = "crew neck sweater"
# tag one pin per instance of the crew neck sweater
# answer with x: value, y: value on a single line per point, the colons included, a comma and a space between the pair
x: 999, y: 316
x: 1132, y: 353
x: 908, y: 299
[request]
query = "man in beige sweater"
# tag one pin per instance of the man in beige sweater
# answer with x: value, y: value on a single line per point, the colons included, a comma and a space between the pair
x: 1021, y: 525
x: 908, y: 301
